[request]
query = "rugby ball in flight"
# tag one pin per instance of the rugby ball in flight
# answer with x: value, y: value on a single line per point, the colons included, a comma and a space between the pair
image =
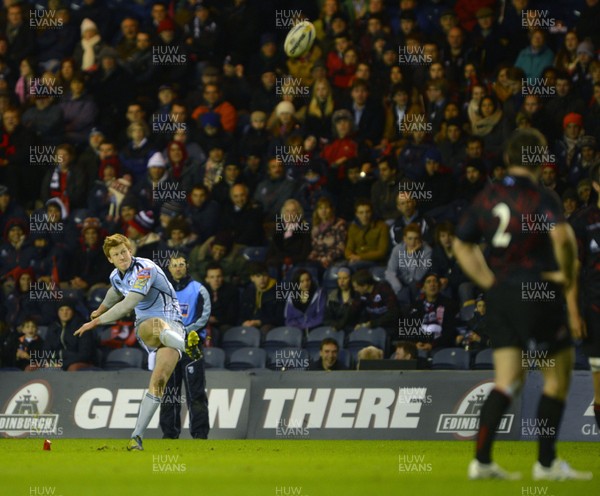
x: 300, y: 39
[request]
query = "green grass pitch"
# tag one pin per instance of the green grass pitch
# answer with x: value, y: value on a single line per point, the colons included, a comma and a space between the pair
x: 94, y: 467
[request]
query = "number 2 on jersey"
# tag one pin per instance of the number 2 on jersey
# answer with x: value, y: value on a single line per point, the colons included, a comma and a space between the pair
x: 501, y: 238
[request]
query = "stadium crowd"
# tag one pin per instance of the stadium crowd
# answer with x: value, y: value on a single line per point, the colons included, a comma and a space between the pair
x: 317, y: 191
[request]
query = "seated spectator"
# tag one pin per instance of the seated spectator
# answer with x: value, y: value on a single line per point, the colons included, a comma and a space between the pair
x: 368, y: 353
x: 256, y: 138
x: 231, y: 176
x: 48, y: 261
x: 89, y: 265
x: 29, y: 350
x: 312, y: 186
x: 368, y: 240
x: 342, y: 148
x: 384, y: 191
x: 550, y: 179
x: 21, y: 302
x: 88, y: 49
x: 476, y: 337
x: 408, y: 264
x: 473, y: 181
x: 224, y: 299
x: 536, y: 57
x: 328, y: 235
x: 136, y: 155
x: 178, y: 236
x: 305, y: 306
x: 272, y: 192
x: 45, y: 119
x: 260, y: 307
x: 436, y: 315
x: 290, y: 244
x: 444, y: 262
x: 219, y: 249
x: 320, y: 110
x: 181, y: 167
x: 376, y: 306
x: 14, y: 252
x: 9, y: 208
x: 490, y: 126
x: 406, y: 205
x: 405, y: 350
x: 213, y: 102
x: 328, y: 357
x: 203, y: 212
x: 339, y: 302
x: 65, y: 181
x: 243, y: 218
x: 144, y: 242
x: 568, y: 147
x: 71, y: 352
x: 79, y: 113
x: 354, y: 186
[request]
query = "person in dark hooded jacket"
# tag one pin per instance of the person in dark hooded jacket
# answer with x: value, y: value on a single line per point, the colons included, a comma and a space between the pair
x: 71, y: 352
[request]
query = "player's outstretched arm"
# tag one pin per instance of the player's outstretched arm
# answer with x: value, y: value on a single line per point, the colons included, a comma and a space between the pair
x: 111, y: 298
x: 124, y: 307
x: 472, y: 261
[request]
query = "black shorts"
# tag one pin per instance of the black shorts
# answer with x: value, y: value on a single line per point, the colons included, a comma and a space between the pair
x: 527, y: 319
x: 591, y: 344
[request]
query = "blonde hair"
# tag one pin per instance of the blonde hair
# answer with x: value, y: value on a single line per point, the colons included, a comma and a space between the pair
x: 370, y: 353
x: 314, y: 107
x: 114, y: 241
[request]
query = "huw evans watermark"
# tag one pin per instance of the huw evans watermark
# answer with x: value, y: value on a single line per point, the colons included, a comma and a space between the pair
x: 414, y: 463
x: 413, y: 55
x: 167, y: 123
x: 287, y: 18
x: 291, y: 222
x: 536, y: 359
x: 291, y: 155
x: 285, y: 290
x: 168, y: 55
x: 537, y: 155
x: 415, y: 190
x: 536, y: 223
x: 537, y: 86
x: 413, y: 123
x: 291, y: 428
x: 290, y: 359
x: 168, y: 191
x: 290, y: 86
x: 539, y: 19
x: 536, y: 428
x: 168, y: 464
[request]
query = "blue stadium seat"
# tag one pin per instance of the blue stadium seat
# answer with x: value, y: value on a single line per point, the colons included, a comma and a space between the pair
x: 467, y: 312
x: 288, y: 359
x: 214, y: 358
x: 363, y: 337
x: 451, y: 359
x: 124, y: 358
x: 248, y: 358
x: 484, y: 360
x: 314, y: 273
x: 95, y: 297
x: 240, y: 337
x: 318, y: 334
x: 283, y: 337
x: 255, y: 253
x: 330, y: 278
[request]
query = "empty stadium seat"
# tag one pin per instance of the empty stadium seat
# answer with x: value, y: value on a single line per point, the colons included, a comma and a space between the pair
x: 363, y: 337
x: 283, y: 337
x: 288, y: 359
x: 484, y: 360
x: 255, y: 253
x: 95, y: 297
x: 330, y: 278
x: 124, y: 358
x: 320, y: 333
x: 451, y: 359
x: 248, y: 358
x: 378, y: 272
x: 240, y: 337
x: 214, y: 358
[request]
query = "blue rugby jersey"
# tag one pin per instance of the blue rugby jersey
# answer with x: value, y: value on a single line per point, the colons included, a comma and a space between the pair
x: 145, y: 277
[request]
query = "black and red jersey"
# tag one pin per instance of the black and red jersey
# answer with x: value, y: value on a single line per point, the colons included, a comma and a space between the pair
x: 513, y: 218
x: 586, y: 224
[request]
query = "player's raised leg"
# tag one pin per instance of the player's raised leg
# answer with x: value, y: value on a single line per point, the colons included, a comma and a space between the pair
x: 557, y: 378
x: 166, y: 360
x: 508, y: 382
x: 156, y: 332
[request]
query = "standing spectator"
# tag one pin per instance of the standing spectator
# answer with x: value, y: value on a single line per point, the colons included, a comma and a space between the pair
x: 342, y: 148
x: 21, y: 39
x: 367, y: 115
x: 136, y: 156
x: 88, y: 49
